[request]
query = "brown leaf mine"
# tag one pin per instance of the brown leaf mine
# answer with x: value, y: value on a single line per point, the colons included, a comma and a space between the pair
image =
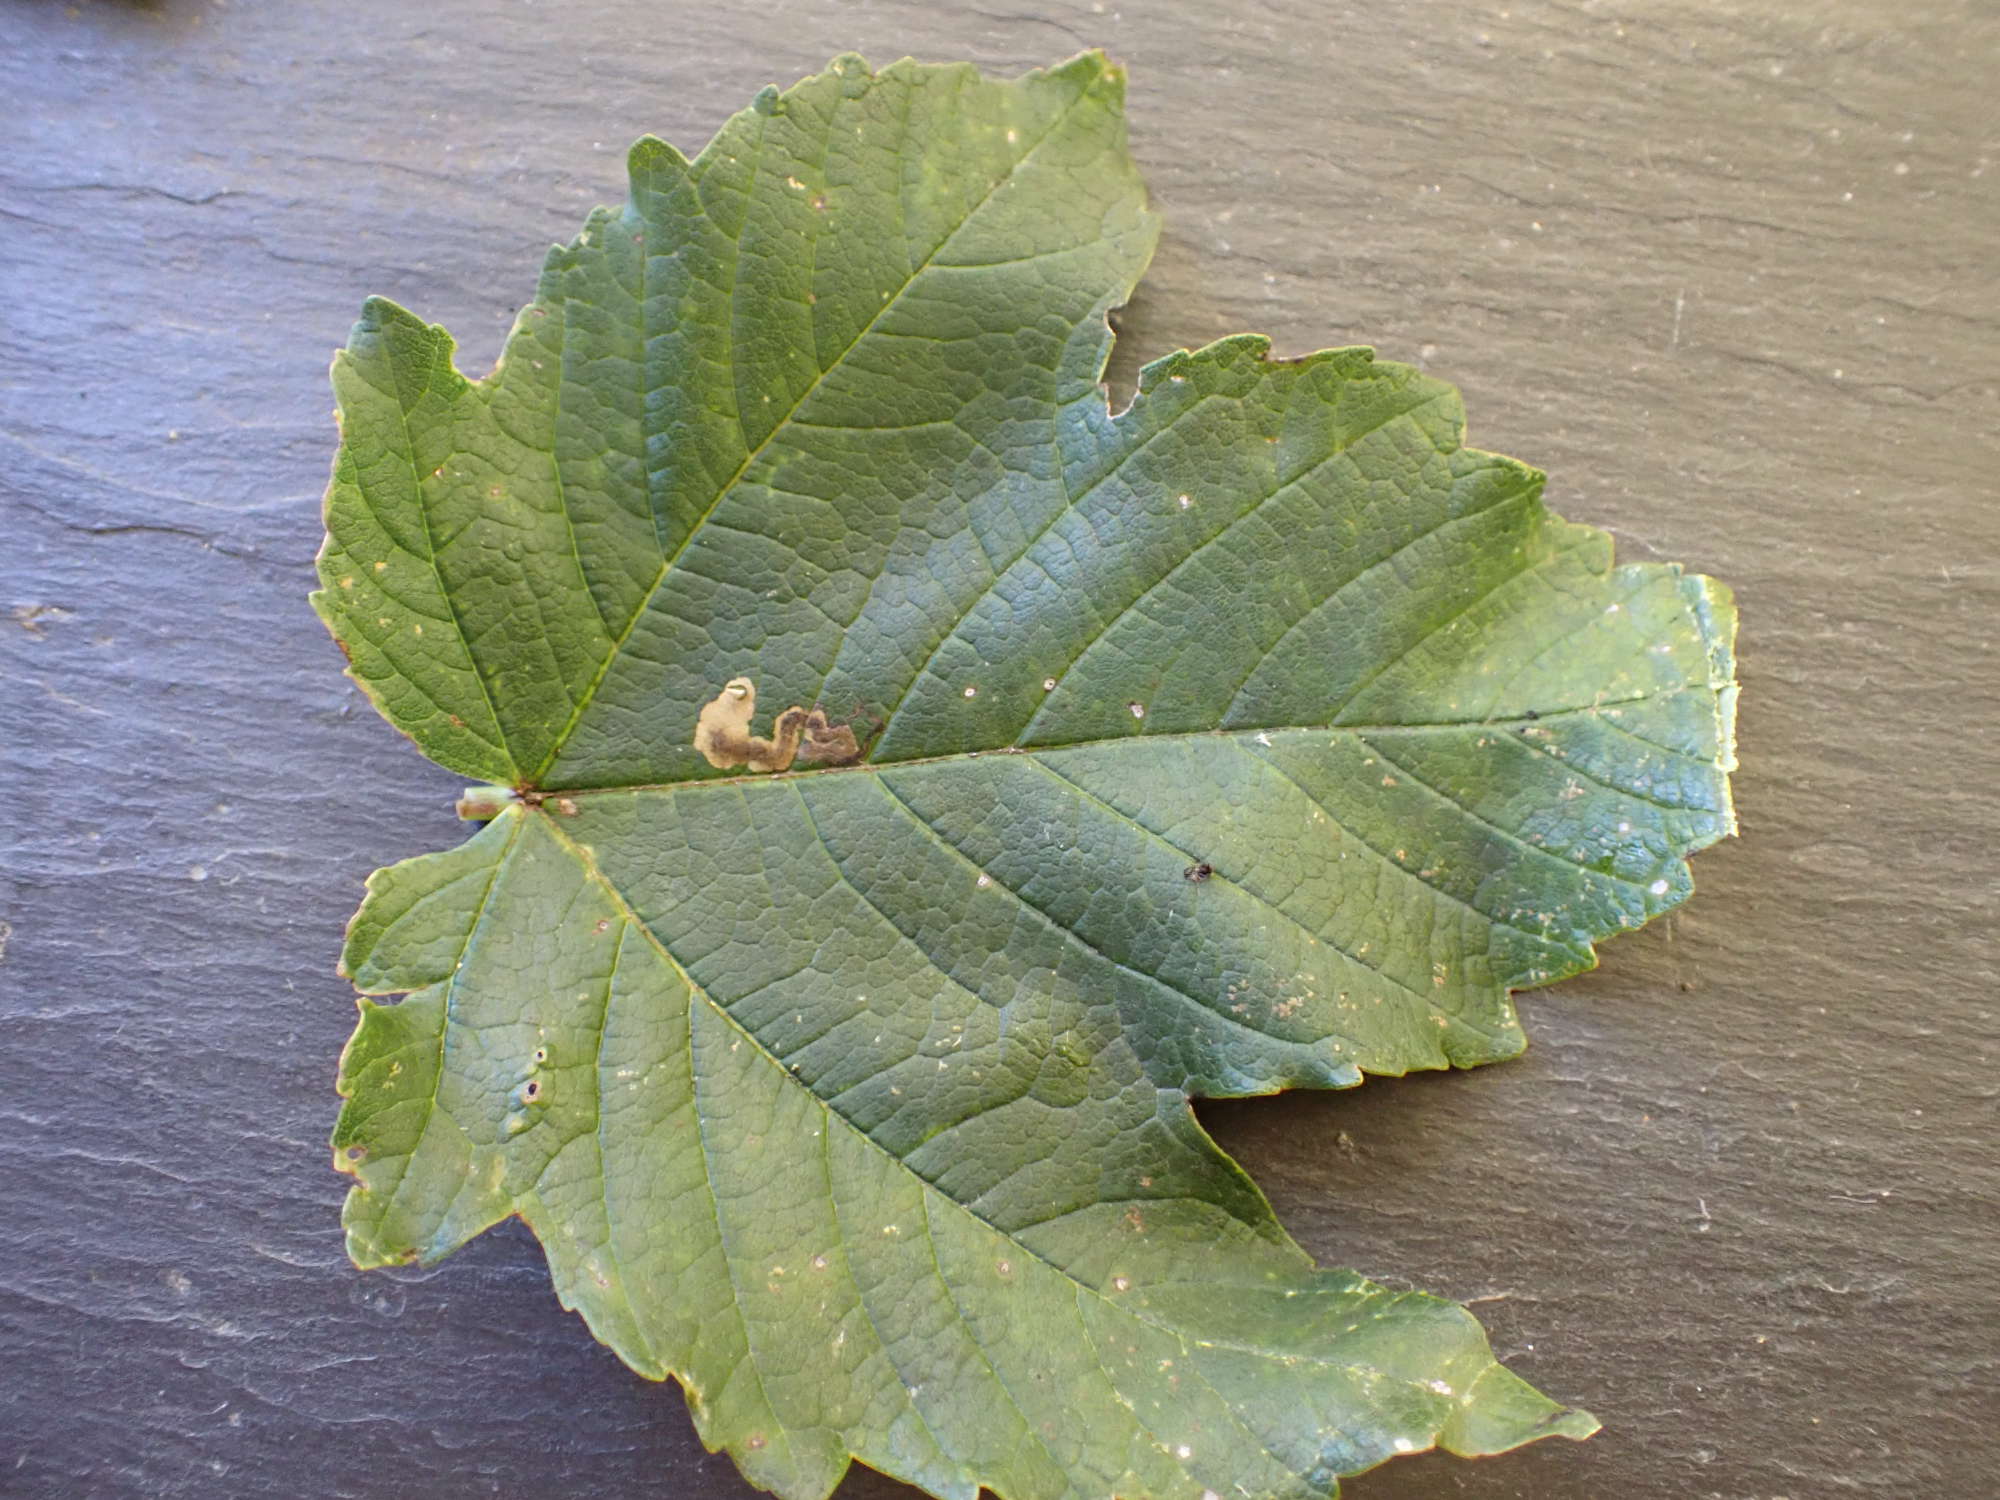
x: 722, y: 734
x: 827, y: 744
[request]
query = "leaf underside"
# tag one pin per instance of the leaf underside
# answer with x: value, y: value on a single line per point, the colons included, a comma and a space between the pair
x: 1261, y: 735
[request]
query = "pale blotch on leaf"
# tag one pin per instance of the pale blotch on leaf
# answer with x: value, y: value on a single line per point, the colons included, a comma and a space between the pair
x: 802, y: 735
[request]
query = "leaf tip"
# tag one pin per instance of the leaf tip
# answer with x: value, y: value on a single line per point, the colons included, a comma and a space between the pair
x: 651, y: 159
x: 381, y: 315
x: 1502, y: 1411
x: 1093, y: 66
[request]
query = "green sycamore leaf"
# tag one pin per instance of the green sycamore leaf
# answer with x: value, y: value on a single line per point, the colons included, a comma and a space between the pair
x: 924, y: 782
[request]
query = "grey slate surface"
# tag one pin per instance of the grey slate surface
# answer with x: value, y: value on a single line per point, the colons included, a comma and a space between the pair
x: 1725, y: 269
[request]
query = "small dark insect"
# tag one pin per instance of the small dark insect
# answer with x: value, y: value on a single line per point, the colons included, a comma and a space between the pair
x: 1198, y: 873
x: 1529, y: 714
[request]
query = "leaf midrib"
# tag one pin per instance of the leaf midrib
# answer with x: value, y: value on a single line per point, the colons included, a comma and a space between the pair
x: 586, y: 861
x: 728, y: 486
x: 1505, y: 721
